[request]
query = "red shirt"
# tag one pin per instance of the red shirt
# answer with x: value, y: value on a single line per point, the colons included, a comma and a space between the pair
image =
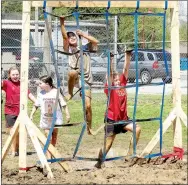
x: 12, y: 104
x: 117, y: 109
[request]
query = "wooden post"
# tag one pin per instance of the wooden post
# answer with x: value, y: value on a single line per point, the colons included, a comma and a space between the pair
x: 166, y: 124
x: 38, y: 148
x: 175, y: 50
x: 177, y: 113
x: 10, y: 139
x: 51, y: 148
x: 47, y: 53
x: 24, y: 83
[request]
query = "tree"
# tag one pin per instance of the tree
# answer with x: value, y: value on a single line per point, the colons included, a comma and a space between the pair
x: 183, y: 32
x: 11, y: 6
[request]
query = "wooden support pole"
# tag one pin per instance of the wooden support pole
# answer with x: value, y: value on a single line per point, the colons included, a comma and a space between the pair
x: 24, y: 83
x: 47, y: 53
x: 178, y: 133
x: 177, y: 112
x: 183, y: 117
x: 10, y: 139
x: 51, y: 148
x: 38, y: 148
x: 166, y: 124
x: 176, y: 90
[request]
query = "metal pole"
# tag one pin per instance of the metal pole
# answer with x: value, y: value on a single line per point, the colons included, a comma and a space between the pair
x: 56, y: 20
x: 115, y: 41
x: 36, y: 26
x: 143, y: 34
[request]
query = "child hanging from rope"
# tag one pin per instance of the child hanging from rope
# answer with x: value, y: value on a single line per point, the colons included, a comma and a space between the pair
x: 117, y: 109
x: 70, y: 44
x: 46, y: 100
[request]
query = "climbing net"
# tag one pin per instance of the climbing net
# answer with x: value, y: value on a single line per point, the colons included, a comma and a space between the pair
x: 107, y: 49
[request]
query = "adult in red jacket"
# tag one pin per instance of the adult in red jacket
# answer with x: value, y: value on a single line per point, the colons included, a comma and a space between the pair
x: 117, y: 109
x: 12, y: 103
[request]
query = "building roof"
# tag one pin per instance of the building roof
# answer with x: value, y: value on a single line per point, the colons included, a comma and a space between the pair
x: 17, y: 24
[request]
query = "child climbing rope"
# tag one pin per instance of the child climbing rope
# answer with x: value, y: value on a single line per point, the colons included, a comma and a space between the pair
x: 71, y: 45
x: 117, y: 109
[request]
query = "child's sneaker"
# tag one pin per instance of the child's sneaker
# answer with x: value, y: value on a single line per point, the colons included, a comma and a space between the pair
x: 99, y: 165
x: 14, y: 154
x: 68, y: 97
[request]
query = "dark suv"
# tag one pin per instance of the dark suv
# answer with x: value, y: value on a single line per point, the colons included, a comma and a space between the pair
x: 151, y: 65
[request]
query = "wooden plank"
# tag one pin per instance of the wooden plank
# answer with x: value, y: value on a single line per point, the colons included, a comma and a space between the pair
x: 38, y: 148
x: 168, y: 121
x: 22, y: 145
x: 183, y: 117
x: 10, y: 139
x: 175, y: 51
x: 177, y: 133
x: 114, y: 3
x: 24, y: 83
x: 176, y: 90
x: 51, y: 148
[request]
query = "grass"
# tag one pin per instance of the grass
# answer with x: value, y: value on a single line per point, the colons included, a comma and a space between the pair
x: 148, y: 106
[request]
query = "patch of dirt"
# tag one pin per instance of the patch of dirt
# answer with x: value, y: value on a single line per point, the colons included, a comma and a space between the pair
x: 115, y: 172
x: 84, y: 172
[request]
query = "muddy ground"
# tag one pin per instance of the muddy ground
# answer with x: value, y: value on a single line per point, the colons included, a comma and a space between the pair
x: 84, y: 172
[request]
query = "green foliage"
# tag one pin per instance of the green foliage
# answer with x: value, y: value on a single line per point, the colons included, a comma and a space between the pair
x: 11, y: 6
x: 183, y: 32
x: 149, y: 27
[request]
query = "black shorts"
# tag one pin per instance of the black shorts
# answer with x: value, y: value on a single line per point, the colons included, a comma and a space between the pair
x: 10, y: 120
x: 114, y: 128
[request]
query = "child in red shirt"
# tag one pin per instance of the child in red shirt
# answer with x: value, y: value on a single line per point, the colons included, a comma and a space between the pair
x: 12, y: 103
x: 117, y: 109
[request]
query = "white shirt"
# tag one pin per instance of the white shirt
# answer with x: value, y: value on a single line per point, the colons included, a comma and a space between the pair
x: 46, y: 101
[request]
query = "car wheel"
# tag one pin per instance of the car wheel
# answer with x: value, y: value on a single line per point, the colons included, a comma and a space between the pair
x: 131, y: 80
x: 168, y: 81
x: 145, y: 77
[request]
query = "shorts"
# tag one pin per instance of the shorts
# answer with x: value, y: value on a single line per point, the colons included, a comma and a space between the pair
x: 87, y: 88
x: 10, y: 120
x: 114, y: 128
x: 86, y: 84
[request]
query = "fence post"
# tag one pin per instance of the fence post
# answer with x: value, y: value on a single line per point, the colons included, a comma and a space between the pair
x: 115, y: 41
x: 36, y: 26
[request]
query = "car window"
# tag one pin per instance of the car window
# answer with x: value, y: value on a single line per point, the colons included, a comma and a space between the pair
x: 161, y: 58
x: 133, y: 57
x: 150, y: 56
x: 140, y: 56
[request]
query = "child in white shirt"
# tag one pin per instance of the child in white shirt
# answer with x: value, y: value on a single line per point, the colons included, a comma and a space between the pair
x: 46, y: 101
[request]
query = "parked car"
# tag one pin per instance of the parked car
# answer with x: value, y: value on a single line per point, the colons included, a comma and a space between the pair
x: 99, y: 67
x: 151, y: 65
x: 33, y: 54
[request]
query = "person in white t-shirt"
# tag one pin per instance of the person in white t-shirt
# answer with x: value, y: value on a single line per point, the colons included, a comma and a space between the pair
x: 46, y: 101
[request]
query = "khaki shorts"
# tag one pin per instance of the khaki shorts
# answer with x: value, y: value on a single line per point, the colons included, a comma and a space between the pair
x: 87, y: 87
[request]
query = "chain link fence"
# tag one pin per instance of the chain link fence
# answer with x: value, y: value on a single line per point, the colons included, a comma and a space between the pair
x: 151, y: 67
x: 151, y: 64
